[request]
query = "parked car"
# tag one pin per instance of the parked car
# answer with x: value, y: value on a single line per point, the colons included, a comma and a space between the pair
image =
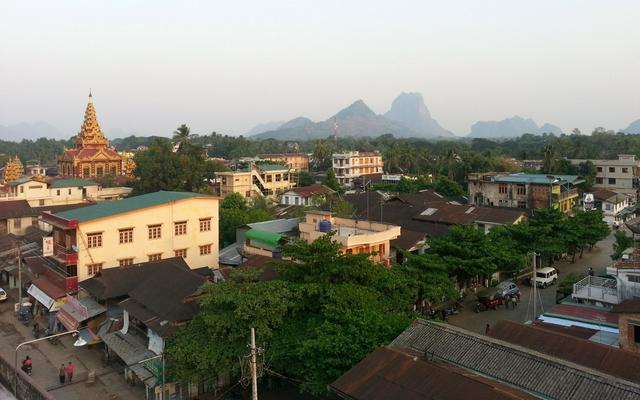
x: 507, y: 288
x: 3, y: 295
x: 545, y: 277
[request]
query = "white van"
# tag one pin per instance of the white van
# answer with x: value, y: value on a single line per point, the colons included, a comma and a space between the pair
x: 545, y: 277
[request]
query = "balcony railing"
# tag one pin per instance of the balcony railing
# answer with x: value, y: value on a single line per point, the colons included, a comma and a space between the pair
x: 595, y: 288
x: 65, y: 255
x: 566, y: 194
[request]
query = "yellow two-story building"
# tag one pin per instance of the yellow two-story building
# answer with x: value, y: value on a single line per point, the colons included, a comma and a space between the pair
x: 143, y: 228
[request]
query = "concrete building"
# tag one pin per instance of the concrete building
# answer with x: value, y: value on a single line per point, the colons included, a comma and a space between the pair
x: 621, y: 175
x: 255, y: 180
x: 143, y: 228
x: 353, y: 164
x: 616, y: 207
x: 311, y: 195
x: 16, y: 217
x: 297, y: 161
x: 40, y: 192
x: 354, y: 236
x: 628, y: 313
x: 522, y: 190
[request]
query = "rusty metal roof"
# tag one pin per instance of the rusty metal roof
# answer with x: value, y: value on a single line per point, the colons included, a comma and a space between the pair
x: 600, y: 357
x: 390, y: 373
x: 630, y: 306
x: 535, y: 372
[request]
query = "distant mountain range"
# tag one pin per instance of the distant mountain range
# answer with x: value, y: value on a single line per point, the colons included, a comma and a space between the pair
x: 32, y: 131
x: 408, y: 117
x: 633, y: 127
x: 511, y: 127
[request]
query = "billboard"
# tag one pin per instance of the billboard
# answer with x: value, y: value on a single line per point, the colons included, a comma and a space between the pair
x: 588, y: 201
x: 47, y: 246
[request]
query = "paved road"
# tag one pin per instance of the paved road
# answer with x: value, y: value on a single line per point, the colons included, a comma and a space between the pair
x: 598, y: 258
x: 47, y: 358
x: 5, y: 394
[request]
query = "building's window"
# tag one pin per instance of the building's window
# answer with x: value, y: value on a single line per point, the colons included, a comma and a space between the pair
x: 94, y: 240
x: 286, y: 199
x: 607, y: 207
x: 521, y: 189
x: 278, y: 177
x: 285, y: 177
x: 126, y: 235
x: 86, y: 172
x: 247, y: 193
x: 599, y: 181
x: 41, y: 202
x: 349, y: 251
x: 599, y: 169
x: 93, y: 269
x: 297, y: 199
x: 612, y: 169
x: 17, y: 223
x: 69, y: 191
x: 269, y: 178
x: 224, y: 180
x: 612, y: 181
x: 155, y: 231
x: 99, y: 172
x: 155, y: 257
x: 633, y: 278
x: 113, y: 171
x: 21, y: 189
x: 522, y: 204
x: 636, y: 333
x: 181, y: 253
x: 625, y: 170
x: 125, y: 261
x: 205, y: 249
x: 502, y: 189
x: 205, y: 224
x: 58, y: 192
x: 180, y: 228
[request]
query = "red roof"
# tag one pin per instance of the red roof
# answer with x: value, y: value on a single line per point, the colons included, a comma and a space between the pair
x: 49, y: 288
x: 312, y: 190
x: 88, y: 153
x: 584, y: 313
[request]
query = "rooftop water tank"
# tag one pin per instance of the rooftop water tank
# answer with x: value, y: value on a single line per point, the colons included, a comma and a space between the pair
x: 324, y: 226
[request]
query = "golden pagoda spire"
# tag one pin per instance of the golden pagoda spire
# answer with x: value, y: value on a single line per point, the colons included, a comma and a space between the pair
x: 90, y: 134
x: 13, y: 170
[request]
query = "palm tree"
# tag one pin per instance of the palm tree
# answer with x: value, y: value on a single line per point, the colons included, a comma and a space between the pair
x: 181, y: 135
x: 549, y: 162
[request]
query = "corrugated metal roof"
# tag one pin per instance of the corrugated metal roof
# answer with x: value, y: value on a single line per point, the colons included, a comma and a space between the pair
x: 109, y: 208
x: 265, y: 237
x: 276, y: 225
x: 536, y: 178
x: 62, y: 183
x: 537, y: 373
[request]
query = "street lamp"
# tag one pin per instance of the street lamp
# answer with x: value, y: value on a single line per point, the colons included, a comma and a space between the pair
x: 78, y: 343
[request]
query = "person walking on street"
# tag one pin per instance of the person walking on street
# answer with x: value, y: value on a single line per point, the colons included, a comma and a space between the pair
x: 514, y: 302
x: 486, y: 329
x: 61, y: 374
x: 70, y: 368
x: 590, y: 271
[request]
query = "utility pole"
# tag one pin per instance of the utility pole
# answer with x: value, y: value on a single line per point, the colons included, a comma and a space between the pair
x: 254, y: 372
x: 535, y: 286
x: 19, y: 275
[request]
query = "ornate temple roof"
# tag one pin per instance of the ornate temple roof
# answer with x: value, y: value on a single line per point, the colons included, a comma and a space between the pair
x: 90, y: 135
x: 13, y: 170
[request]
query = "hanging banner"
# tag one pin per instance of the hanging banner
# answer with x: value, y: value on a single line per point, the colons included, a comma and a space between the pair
x: 47, y: 246
x: 588, y: 201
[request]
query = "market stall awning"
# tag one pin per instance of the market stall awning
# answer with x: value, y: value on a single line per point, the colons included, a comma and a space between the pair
x: 40, y: 296
x: 270, y: 238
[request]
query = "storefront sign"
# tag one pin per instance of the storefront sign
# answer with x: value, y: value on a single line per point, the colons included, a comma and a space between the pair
x: 40, y: 296
x: 588, y: 201
x: 47, y: 246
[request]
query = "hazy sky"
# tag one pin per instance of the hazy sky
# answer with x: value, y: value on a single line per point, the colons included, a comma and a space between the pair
x: 227, y: 65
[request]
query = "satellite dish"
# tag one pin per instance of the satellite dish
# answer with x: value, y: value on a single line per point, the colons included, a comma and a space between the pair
x: 74, y: 248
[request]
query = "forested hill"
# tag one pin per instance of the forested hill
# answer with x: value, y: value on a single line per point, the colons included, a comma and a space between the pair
x: 44, y: 150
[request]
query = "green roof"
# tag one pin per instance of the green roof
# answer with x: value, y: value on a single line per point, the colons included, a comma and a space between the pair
x: 266, y: 168
x: 109, y: 208
x: 62, y: 183
x: 536, y: 178
x: 265, y: 237
x: 18, y: 181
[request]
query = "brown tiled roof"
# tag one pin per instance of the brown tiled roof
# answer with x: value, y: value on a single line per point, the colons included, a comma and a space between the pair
x: 407, y: 239
x: 606, y: 359
x: 389, y: 373
x: 449, y: 213
x: 630, y: 306
x: 312, y: 190
x: 265, y: 264
x: 16, y: 209
x: 609, y: 195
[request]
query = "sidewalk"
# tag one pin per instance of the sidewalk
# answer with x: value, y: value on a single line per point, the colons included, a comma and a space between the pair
x: 47, y: 358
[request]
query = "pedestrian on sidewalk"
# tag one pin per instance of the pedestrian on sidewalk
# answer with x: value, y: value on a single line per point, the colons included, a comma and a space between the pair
x: 590, y: 271
x: 514, y: 302
x: 61, y: 373
x: 70, y: 368
x: 486, y: 329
